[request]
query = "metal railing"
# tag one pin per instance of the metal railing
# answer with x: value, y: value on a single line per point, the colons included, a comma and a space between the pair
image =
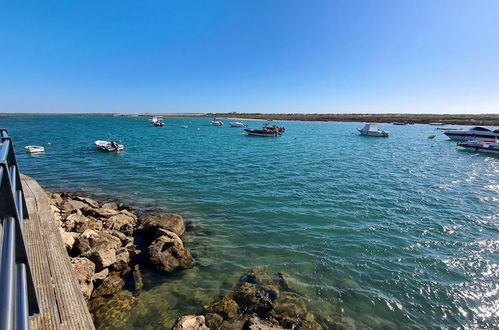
x: 18, y: 300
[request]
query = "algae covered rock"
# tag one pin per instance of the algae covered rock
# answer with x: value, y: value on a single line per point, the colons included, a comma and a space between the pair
x: 257, y: 324
x: 112, y: 313
x: 225, y: 307
x: 110, y: 285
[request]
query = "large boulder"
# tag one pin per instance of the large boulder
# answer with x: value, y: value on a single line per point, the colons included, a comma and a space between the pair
x: 170, y: 222
x: 91, y: 240
x: 84, y: 270
x: 103, y: 258
x: 191, y: 322
x: 167, y: 253
x: 121, y: 222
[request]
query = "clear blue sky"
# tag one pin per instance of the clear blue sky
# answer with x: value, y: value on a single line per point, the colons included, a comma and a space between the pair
x: 332, y: 56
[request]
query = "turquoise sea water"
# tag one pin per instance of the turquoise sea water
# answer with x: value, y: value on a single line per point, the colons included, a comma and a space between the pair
x: 401, y: 232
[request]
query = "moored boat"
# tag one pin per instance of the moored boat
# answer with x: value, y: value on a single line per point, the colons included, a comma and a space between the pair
x: 34, y: 149
x: 266, y: 131
x: 217, y: 122
x: 157, y: 122
x: 372, y: 129
x: 477, y: 132
x: 238, y: 124
x: 109, y: 145
x: 486, y: 146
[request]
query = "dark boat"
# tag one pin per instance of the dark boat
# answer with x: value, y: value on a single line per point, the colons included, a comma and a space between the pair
x: 266, y: 131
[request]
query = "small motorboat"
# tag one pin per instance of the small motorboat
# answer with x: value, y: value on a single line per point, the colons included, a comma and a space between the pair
x: 34, y: 149
x: 157, y: 122
x: 217, y: 122
x: 266, y: 131
x: 238, y: 124
x: 109, y: 145
x: 400, y: 123
x: 487, y: 146
x: 372, y: 129
x: 184, y: 126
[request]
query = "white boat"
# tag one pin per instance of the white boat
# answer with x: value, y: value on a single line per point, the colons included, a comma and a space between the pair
x: 217, y: 122
x: 238, y: 124
x: 477, y: 132
x: 34, y: 149
x: 157, y: 121
x: 487, y: 146
x: 372, y: 129
x: 184, y: 126
x: 109, y: 145
x: 436, y: 124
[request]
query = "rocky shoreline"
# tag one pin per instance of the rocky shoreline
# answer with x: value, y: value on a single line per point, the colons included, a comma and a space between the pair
x: 100, y: 239
x: 102, y: 242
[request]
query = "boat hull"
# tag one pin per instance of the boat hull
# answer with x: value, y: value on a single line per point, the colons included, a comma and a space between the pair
x: 489, y: 147
x: 462, y: 136
x: 261, y: 133
x: 34, y: 149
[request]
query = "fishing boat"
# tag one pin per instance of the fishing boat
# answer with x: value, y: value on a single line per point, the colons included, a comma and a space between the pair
x: 238, y: 124
x: 157, y: 122
x: 266, y: 131
x: 477, y: 132
x: 217, y: 122
x: 486, y: 146
x: 372, y: 129
x: 34, y: 149
x: 109, y: 145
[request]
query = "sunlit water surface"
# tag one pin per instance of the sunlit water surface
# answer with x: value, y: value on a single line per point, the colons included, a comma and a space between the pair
x: 386, y: 232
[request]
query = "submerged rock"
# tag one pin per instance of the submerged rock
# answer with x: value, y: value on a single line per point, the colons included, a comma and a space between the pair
x: 225, y: 307
x: 137, y: 278
x: 257, y: 324
x: 112, y: 313
x: 167, y: 253
x: 191, y: 322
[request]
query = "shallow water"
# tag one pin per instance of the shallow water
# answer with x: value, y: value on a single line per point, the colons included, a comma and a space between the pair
x: 396, y: 232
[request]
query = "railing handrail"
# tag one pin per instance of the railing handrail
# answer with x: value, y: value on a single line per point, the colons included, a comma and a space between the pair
x: 18, y: 300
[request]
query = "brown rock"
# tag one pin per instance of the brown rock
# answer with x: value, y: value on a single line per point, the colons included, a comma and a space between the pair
x: 122, y: 261
x: 101, y: 213
x: 55, y: 198
x: 101, y: 275
x: 111, y: 206
x: 67, y: 239
x: 76, y: 204
x: 137, y: 278
x: 190, y: 322
x: 171, y: 222
x: 121, y: 222
x: 87, y: 201
x: 130, y: 214
x: 167, y: 253
x: 91, y: 240
x: 109, y: 286
x: 84, y: 270
x: 103, y: 258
